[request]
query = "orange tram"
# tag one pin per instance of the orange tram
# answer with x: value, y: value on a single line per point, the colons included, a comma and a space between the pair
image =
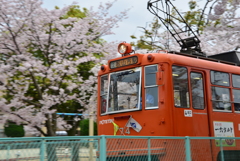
x: 170, y: 94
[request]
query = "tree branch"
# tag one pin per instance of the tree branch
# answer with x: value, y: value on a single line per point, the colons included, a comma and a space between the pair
x: 38, y: 128
x: 36, y: 85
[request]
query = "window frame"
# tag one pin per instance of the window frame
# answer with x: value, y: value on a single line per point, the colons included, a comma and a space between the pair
x: 139, y: 94
x: 151, y: 86
x: 176, y: 90
x: 233, y: 101
x: 233, y: 81
x: 229, y: 87
x: 222, y: 101
x: 234, y: 88
x: 229, y: 83
x: 101, y: 95
x: 203, y: 90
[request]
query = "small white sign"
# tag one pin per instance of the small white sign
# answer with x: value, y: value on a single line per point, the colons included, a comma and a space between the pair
x: 224, y: 129
x: 188, y: 113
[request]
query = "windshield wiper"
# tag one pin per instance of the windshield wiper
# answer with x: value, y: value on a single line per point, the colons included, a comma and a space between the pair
x: 125, y: 73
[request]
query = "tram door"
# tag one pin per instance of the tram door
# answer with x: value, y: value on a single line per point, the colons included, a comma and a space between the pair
x: 190, y: 114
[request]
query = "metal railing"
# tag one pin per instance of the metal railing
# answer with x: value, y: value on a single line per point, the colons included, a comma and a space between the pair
x: 119, y: 148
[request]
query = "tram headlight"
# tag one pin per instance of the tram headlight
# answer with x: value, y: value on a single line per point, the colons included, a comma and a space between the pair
x: 124, y: 48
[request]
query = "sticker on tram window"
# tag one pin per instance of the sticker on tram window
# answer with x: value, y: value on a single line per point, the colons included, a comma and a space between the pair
x: 188, y: 113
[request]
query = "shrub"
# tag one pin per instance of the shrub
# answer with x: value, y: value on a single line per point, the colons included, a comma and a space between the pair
x: 84, y: 125
x: 13, y: 130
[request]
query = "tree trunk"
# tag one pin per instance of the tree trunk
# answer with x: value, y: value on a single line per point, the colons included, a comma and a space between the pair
x: 51, y: 145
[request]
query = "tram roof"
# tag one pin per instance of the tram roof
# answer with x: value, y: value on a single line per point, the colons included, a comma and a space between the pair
x: 231, y: 58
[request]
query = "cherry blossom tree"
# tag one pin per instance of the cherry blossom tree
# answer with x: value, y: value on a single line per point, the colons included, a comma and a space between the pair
x: 48, y: 61
x: 218, y: 23
x: 222, y: 34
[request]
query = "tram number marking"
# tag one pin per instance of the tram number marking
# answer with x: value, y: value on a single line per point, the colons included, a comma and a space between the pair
x: 188, y: 113
x: 121, y: 131
x: 127, y: 130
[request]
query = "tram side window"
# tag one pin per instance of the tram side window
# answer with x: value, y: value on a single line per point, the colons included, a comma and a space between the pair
x: 236, y: 80
x: 180, y: 86
x: 197, y: 90
x: 151, y: 88
x: 221, y: 98
x: 236, y: 92
x: 103, y: 95
x: 220, y: 78
x: 236, y: 99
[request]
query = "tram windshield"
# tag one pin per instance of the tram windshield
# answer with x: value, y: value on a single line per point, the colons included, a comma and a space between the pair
x: 124, y: 91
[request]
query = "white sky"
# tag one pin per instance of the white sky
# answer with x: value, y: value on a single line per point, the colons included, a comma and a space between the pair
x: 137, y: 16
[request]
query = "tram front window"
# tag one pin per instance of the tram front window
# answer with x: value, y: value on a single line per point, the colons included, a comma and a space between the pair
x: 124, y: 90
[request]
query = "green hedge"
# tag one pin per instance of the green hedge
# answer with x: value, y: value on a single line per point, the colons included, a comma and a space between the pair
x: 14, y: 130
x: 84, y: 125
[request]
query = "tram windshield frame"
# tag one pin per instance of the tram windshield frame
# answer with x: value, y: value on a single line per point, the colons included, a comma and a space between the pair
x: 124, y: 91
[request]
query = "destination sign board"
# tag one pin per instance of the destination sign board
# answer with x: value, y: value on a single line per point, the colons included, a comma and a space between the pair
x: 123, y: 62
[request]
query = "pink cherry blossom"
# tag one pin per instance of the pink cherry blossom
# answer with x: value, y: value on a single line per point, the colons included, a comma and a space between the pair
x: 40, y: 58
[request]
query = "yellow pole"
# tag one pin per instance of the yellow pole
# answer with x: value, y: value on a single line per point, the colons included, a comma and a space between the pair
x: 91, y: 127
x: 91, y: 130
x: 44, y: 129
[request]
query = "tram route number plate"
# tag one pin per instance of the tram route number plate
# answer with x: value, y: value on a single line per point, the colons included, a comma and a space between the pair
x: 123, y: 62
x: 188, y: 113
